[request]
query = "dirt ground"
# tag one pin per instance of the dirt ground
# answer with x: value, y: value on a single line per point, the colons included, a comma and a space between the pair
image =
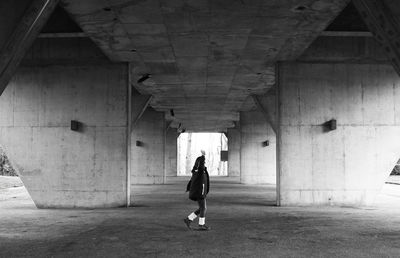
x: 244, y: 221
x: 10, y: 182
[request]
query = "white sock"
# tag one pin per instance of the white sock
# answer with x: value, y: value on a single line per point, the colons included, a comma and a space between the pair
x: 192, y: 216
x: 202, y: 221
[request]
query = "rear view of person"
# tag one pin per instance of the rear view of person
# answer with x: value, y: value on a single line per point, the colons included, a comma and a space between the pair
x: 198, y: 187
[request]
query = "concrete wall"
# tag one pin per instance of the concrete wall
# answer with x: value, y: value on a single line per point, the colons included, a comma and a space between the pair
x: 171, y: 153
x: 147, y: 160
x: 234, y: 142
x: 347, y: 166
x: 60, y: 167
x: 257, y: 163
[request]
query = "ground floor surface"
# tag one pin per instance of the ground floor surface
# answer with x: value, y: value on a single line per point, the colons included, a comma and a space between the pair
x: 244, y: 221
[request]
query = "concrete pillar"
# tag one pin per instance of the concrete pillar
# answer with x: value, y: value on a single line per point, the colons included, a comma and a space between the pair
x: 346, y: 166
x: 171, y: 153
x: 234, y: 142
x: 61, y: 167
x: 257, y: 162
x: 148, y: 146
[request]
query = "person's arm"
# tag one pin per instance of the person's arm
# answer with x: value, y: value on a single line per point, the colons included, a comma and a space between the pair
x: 196, y: 165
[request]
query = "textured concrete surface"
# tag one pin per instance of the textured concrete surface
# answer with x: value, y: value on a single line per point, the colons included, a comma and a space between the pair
x: 234, y: 152
x: 243, y: 219
x: 349, y: 165
x: 147, y: 159
x: 60, y: 167
x: 204, y: 57
x: 257, y: 163
x: 171, y: 153
x: 249, y: 160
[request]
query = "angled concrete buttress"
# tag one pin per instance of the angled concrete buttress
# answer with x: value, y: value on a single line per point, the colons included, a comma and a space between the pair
x: 61, y: 167
x: 27, y: 23
x: 60, y: 80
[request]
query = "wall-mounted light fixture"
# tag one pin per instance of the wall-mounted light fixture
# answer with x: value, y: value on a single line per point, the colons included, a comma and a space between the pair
x: 76, y: 125
x: 224, y: 155
x: 265, y: 143
x: 330, y: 125
x: 144, y: 77
x: 171, y: 111
x: 139, y: 143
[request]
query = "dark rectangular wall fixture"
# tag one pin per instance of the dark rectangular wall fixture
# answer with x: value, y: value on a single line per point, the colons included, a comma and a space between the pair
x: 330, y: 125
x: 139, y: 143
x: 224, y: 155
x: 265, y: 143
x: 76, y: 125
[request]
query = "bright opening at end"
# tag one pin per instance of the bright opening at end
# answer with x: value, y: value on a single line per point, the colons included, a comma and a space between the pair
x: 13, y: 193
x: 214, y: 144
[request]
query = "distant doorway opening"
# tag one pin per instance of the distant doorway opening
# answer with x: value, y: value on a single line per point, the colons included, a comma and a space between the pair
x: 214, y: 144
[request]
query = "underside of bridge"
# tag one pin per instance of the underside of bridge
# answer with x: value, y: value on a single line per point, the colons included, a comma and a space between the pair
x: 95, y: 93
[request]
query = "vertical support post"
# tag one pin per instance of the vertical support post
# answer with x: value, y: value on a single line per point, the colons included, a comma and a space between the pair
x: 165, y: 155
x: 128, y: 137
x: 278, y: 134
x: 167, y: 127
x: 178, y: 151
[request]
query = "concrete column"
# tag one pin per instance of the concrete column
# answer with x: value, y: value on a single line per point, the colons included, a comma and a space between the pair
x: 171, y: 153
x: 346, y: 166
x: 234, y: 142
x: 147, y: 155
x: 61, y: 167
x: 257, y: 162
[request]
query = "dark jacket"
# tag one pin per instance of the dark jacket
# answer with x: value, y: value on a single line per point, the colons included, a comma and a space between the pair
x: 199, y: 184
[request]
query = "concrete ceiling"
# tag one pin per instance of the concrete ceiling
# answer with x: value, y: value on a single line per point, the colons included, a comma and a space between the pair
x: 204, y: 57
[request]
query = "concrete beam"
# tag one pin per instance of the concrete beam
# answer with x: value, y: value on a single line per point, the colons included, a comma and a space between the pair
x: 265, y: 112
x: 346, y: 34
x: 63, y: 35
x: 26, y: 32
x: 383, y: 26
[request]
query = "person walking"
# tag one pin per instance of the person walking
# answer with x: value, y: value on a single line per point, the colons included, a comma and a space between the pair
x: 198, y: 187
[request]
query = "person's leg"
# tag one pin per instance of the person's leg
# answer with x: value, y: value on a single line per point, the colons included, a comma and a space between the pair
x: 202, y: 215
x: 192, y: 216
x: 197, y: 212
